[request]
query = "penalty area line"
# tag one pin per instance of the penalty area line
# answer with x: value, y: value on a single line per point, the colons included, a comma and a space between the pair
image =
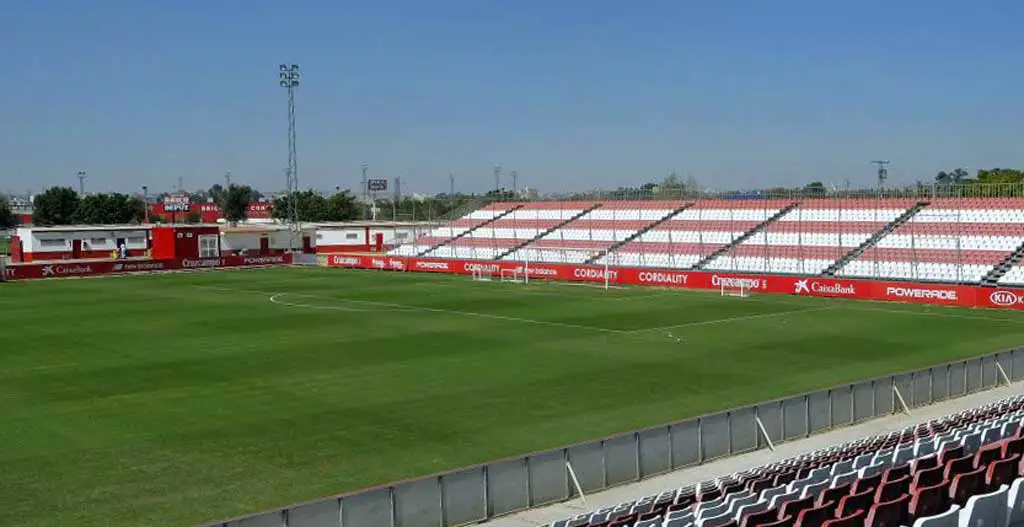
x: 732, y: 319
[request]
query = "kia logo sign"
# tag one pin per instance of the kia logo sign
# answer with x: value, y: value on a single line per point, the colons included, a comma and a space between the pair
x: 1005, y: 298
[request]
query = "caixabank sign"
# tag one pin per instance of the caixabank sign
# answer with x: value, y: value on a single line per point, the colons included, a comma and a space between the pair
x: 99, y: 268
x: 923, y: 293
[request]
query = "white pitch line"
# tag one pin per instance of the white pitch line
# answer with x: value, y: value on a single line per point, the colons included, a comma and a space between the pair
x: 733, y: 319
x: 404, y: 307
x: 276, y: 299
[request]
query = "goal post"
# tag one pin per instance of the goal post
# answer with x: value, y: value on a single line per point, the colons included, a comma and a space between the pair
x: 515, y: 276
x: 739, y: 289
x: 480, y: 274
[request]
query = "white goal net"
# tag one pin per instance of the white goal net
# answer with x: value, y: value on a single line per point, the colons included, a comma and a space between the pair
x: 482, y: 274
x: 739, y: 289
x: 515, y: 276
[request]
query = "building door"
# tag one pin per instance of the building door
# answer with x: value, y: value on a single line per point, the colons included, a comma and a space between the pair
x: 264, y: 245
x: 76, y: 249
x: 307, y: 244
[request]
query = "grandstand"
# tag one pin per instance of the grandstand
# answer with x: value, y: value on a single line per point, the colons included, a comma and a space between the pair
x: 964, y: 469
x: 952, y: 240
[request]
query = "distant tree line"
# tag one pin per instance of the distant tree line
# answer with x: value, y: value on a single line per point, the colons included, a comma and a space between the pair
x: 64, y: 206
x: 7, y: 218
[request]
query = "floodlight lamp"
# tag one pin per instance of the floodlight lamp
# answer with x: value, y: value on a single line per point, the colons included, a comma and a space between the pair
x: 295, y: 67
x: 284, y: 67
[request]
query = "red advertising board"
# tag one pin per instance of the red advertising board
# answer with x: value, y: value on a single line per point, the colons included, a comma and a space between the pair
x: 917, y: 292
x: 104, y: 267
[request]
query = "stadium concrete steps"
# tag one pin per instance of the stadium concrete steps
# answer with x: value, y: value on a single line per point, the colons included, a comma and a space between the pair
x: 992, y: 278
x: 757, y: 228
x: 461, y: 234
x: 637, y: 234
x: 870, y: 242
x: 545, y: 233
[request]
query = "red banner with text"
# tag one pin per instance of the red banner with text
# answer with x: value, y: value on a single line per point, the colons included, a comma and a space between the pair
x: 918, y: 292
x: 106, y: 267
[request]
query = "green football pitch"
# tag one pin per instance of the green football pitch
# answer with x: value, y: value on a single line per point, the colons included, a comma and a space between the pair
x: 182, y: 398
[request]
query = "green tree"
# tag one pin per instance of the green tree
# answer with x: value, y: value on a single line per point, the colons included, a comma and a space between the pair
x: 55, y: 206
x: 7, y: 218
x: 815, y: 188
x: 234, y: 201
x: 114, y: 209
x: 342, y: 207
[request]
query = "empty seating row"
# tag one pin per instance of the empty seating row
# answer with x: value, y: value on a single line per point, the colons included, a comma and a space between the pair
x: 966, y: 467
x: 1015, y: 276
x: 595, y: 231
x: 491, y: 240
x: 695, y: 233
x: 949, y: 241
x: 455, y: 228
x: 807, y: 240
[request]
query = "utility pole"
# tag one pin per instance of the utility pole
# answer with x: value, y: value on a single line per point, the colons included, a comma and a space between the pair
x: 364, y: 189
x: 497, y: 178
x: 227, y: 178
x: 883, y: 174
x: 451, y: 186
x: 515, y: 181
x: 145, y: 201
x: 81, y: 182
x: 288, y: 76
x: 181, y: 184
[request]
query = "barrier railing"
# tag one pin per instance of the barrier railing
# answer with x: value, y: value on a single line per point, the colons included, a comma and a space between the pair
x: 481, y: 492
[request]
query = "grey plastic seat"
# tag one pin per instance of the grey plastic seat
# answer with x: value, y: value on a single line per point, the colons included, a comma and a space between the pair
x: 843, y: 479
x: 871, y: 470
x: 971, y: 442
x: 676, y: 522
x: 862, y: 461
x: 767, y: 494
x: 991, y: 434
x: 1015, y: 502
x: 1009, y: 429
x: 986, y: 510
x: 649, y: 523
x: 740, y: 502
x: 714, y: 521
x: 950, y: 518
x: 813, y: 489
x: 904, y: 454
x: 793, y: 495
x: 841, y: 467
x: 750, y: 509
x: 924, y: 448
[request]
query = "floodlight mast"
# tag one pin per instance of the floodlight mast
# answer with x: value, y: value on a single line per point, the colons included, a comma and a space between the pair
x: 288, y: 77
x: 883, y: 174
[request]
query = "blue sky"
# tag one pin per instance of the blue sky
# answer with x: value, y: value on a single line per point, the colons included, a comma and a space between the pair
x: 572, y: 94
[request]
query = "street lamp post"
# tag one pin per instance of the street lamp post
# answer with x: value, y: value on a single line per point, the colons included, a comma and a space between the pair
x: 497, y: 178
x: 81, y: 182
x: 288, y: 76
x: 145, y: 202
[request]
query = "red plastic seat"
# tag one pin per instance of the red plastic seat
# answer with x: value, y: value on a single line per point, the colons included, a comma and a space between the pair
x: 893, y: 513
x: 1013, y: 446
x: 862, y: 484
x: 795, y: 507
x: 787, y: 521
x: 987, y: 454
x: 855, y: 502
x: 929, y: 501
x: 966, y: 485
x: 834, y: 494
x: 896, y: 472
x: 950, y: 453
x: 893, y: 489
x: 855, y: 519
x: 816, y: 516
x: 928, y: 477
x: 957, y: 466
x: 925, y: 463
x: 1002, y: 471
x: 759, y: 519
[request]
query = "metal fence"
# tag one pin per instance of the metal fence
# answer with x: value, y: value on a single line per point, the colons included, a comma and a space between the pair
x: 482, y: 492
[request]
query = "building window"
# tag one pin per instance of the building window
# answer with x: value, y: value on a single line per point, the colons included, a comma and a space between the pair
x: 208, y: 246
x: 352, y: 236
x: 52, y: 242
